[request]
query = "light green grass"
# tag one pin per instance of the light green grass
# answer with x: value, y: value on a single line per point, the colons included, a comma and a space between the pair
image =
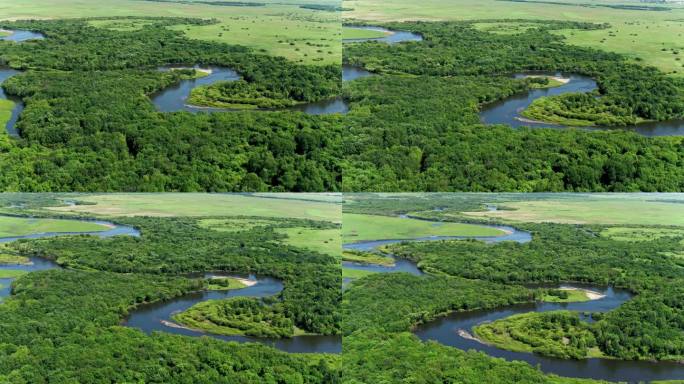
x: 348, y: 273
x: 11, y: 273
x: 327, y: 241
x: 5, y: 33
x: 280, y: 28
x: 6, y: 107
x: 641, y: 234
x: 636, y: 34
x: 233, y: 225
x: 19, y: 226
x: 356, y: 33
x: 357, y: 227
x: 367, y: 258
x: 121, y: 25
x: 574, y: 296
x: 224, y: 284
x: 632, y: 209
x: 203, y: 204
x: 6, y: 258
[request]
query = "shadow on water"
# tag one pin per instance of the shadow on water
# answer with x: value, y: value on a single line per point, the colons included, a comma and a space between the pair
x: 352, y: 72
x: 507, y: 111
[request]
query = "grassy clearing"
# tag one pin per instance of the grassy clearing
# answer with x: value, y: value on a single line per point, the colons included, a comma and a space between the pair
x: 327, y: 241
x: 225, y: 284
x: 641, y: 234
x: 6, y: 107
x: 121, y: 25
x: 348, y: 273
x: 202, y: 204
x: 640, y: 35
x: 625, y: 209
x: 19, y: 226
x: 6, y: 258
x: 367, y: 258
x: 552, y: 82
x: 356, y: 33
x: 280, y: 28
x: 11, y: 273
x: 570, y: 296
x: 357, y: 227
x: 233, y: 225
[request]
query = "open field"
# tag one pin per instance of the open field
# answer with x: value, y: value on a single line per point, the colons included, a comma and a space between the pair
x: 19, y: 226
x: 6, y: 258
x: 641, y: 35
x: 348, y: 273
x: 281, y: 29
x: 6, y: 107
x: 641, y: 234
x: 325, y: 241
x: 354, y: 33
x: 642, y: 209
x: 172, y: 204
x: 225, y: 284
x: 367, y: 258
x: 357, y: 227
x: 11, y: 273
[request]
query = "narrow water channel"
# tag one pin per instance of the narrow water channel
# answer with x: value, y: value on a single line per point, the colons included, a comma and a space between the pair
x: 391, y: 36
x: 10, y: 126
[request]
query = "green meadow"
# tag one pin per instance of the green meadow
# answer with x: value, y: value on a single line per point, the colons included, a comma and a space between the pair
x: 6, y: 107
x: 280, y: 28
x: 19, y: 226
x: 11, y: 273
x: 184, y: 204
x: 640, y: 209
x: 355, y: 33
x: 649, y: 37
x: 325, y: 241
x: 356, y: 227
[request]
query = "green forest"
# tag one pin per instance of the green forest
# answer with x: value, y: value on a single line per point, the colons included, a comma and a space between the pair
x: 89, y: 123
x: 415, y: 125
x: 65, y: 325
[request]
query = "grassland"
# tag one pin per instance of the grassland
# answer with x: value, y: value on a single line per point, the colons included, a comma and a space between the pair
x: 280, y: 28
x: 6, y: 258
x: 573, y: 296
x: 6, y: 107
x: 325, y: 241
x: 19, y: 226
x: 356, y: 33
x: 367, y: 258
x: 197, y: 204
x: 348, y: 273
x: 225, y: 284
x: 357, y: 227
x: 645, y: 36
x: 11, y: 273
x: 641, y: 234
x: 639, y: 209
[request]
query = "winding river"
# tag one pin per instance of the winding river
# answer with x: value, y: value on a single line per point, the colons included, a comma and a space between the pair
x: 352, y: 72
x: 174, y: 98
x: 392, y: 36
x: 157, y: 316
x: 507, y: 111
x: 19, y: 35
x: 447, y: 330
